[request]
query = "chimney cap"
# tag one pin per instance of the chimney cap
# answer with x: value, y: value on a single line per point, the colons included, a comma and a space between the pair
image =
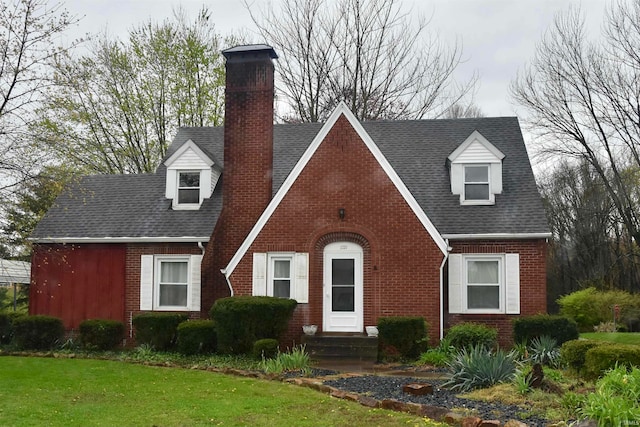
x: 251, y: 49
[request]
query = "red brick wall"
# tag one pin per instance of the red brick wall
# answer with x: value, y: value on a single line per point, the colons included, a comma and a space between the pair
x: 401, y: 261
x: 132, y: 288
x: 533, y: 282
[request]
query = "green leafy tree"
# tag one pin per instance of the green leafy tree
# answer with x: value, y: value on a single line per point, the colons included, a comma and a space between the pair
x: 115, y: 109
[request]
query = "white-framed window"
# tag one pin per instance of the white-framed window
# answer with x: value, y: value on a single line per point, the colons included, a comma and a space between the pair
x: 476, y: 184
x: 282, y: 275
x: 484, y: 283
x: 170, y: 282
x: 188, y: 188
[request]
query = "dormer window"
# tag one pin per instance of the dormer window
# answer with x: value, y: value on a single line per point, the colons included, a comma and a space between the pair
x: 476, y: 183
x: 476, y: 171
x: 191, y: 177
x: 188, y: 188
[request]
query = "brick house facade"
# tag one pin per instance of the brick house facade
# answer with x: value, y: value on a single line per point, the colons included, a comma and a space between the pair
x: 356, y: 221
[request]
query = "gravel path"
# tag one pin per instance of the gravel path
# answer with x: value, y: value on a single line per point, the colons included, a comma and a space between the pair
x: 387, y: 387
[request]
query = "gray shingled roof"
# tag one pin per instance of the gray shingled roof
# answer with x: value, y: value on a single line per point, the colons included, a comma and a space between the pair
x: 134, y: 205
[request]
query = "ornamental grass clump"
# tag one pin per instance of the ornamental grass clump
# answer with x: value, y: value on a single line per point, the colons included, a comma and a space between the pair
x: 295, y: 360
x: 545, y: 350
x: 479, y: 367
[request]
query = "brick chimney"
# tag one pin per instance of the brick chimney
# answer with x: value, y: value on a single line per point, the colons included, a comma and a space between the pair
x: 248, y: 159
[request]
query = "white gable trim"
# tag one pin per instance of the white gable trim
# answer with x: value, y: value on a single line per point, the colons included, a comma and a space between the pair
x: 340, y: 110
x: 189, y: 145
x: 476, y: 136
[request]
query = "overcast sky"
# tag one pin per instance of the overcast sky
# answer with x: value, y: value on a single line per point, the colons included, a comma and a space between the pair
x: 498, y: 36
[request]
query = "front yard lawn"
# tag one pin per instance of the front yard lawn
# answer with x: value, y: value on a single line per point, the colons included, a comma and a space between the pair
x: 616, y: 337
x: 74, y: 392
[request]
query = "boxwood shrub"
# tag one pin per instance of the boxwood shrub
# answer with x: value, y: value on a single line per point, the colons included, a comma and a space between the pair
x: 468, y: 334
x: 601, y: 358
x: 157, y: 330
x: 37, y: 332
x: 560, y: 328
x: 265, y: 348
x: 101, y: 334
x: 404, y: 337
x: 6, y: 326
x: 242, y: 320
x: 196, y: 336
x: 573, y: 353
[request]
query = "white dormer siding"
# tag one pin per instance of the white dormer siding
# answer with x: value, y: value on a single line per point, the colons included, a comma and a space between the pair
x: 190, y: 159
x: 476, y: 171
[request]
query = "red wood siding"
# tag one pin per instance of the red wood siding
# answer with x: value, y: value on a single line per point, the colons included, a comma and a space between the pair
x: 78, y: 282
x: 533, y: 282
x: 401, y: 261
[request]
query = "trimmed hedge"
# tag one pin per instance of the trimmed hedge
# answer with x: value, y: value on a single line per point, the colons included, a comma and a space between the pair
x: 573, y: 353
x: 6, y: 326
x: 560, y: 328
x: 101, y: 334
x: 242, y: 320
x: 601, y: 358
x: 196, y: 336
x: 265, y: 348
x: 37, y: 332
x: 405, y: 336
x: 468, y: 335
x: 157, y: 329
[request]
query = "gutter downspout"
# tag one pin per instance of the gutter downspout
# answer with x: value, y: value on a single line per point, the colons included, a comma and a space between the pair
x: 224, y: 271
x: 444, y: 261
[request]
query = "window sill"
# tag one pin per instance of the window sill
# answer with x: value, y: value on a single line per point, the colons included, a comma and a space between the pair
x: 168, y: 308
x: 186, y: 207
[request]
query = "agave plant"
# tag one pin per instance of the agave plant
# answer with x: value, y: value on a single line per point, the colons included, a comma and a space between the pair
x: 479, y: 367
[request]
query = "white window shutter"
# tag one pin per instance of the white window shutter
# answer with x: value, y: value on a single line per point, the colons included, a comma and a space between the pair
x: 301, y: 277
x: 455, y: 284
x: 194, y: 302
x: 259, y: 274
x: 146, y: 282
x: 512, y: 283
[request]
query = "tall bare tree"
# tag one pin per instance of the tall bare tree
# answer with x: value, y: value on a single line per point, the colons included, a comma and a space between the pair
x: 367, y: 53
x: 115, y: 109
x: 583, y: 102
x: 29, y: 40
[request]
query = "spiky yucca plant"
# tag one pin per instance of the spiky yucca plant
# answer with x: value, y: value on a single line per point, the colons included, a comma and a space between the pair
x: 479, y: 367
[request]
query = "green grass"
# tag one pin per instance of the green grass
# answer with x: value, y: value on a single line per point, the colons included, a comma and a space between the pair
x: 616, y: 337
x: 71, y: 392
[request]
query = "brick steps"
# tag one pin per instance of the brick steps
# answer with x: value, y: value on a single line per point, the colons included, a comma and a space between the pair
x: 341, y: 347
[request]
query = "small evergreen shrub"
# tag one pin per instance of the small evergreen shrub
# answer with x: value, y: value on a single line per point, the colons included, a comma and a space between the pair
x: 157, y: 330
x: 560, y: 328
x: 196, y: 337
x: 479, y: 367
x: 266, y: 348
x: 601, y: 358
x: 37, y: 332
x: 6, y: 326
x: 573, y: 353
x: 467, y: 335
x: 405, y: 336
x: 242, y: 320
x: 101, y: 334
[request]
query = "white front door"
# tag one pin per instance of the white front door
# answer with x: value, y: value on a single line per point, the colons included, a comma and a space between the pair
x: 343, y: 310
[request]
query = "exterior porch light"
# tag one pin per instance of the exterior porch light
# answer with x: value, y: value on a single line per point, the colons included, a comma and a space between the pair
x: 341, y: 212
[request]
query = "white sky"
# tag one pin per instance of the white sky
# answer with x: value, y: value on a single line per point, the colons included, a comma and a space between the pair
x: 498, y: 36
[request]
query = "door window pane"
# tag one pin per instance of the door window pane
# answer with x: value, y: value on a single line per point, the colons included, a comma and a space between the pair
x: 343, y: 298
x: 342, y: 272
